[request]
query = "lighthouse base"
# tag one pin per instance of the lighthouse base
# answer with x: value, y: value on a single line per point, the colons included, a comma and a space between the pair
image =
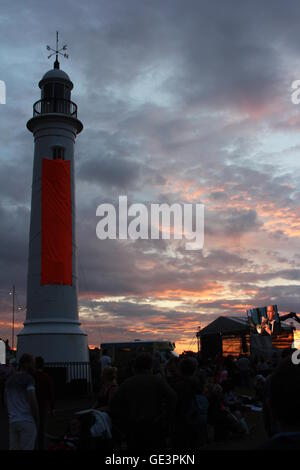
x: 54, y: 341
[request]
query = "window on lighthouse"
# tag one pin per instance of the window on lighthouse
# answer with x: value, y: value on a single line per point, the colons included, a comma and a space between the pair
x: 59, y: 91
x: 47, y: 91
x: 58, y: 153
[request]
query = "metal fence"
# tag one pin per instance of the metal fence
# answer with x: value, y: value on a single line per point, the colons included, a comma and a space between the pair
x: 70, y: 378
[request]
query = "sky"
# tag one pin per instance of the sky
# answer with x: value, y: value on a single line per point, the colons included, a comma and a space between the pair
x: 181, y: 102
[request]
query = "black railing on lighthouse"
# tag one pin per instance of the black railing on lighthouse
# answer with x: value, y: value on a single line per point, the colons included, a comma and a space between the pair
x: 54, y: 105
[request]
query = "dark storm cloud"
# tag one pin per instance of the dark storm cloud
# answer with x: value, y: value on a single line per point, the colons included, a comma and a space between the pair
x: 14, y: 226
x: 15, y: 183
x: 224, y: 53
x: 232, y: 222
x: 107, y: 171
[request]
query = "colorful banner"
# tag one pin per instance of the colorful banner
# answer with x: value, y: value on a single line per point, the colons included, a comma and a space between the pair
x: 56, y: 223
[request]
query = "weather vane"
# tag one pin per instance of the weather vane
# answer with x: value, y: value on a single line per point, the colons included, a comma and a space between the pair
x: 57, y: 52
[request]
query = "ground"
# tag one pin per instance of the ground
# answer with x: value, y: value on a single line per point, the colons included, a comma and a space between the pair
x: 65, y: 409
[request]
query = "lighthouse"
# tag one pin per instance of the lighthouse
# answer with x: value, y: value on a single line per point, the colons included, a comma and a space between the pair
x: 52, y: 328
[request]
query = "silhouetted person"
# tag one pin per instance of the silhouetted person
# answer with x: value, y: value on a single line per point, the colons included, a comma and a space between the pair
x: 284, y: 407
x: 108, y: 388
x: 172, y: 372
x: 244, y: 364
x: 262, y: 367
x: 143, y: 405
x: 5, y: 371
x: 22, y: 406
x: 105, y: 360
x: 45, y: 399
x: 189, y: 426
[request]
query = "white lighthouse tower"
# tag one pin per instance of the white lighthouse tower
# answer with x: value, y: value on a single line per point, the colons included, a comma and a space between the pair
x: 52, y: 328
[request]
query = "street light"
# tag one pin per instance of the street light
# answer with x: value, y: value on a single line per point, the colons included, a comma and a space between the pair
x: 13, y: 292
x: 15, y: 302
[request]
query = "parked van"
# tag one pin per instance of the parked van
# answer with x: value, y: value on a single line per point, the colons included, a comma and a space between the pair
x: 125, y: 352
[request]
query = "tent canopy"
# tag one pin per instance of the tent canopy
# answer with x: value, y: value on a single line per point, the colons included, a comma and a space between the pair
x: 226, y: 325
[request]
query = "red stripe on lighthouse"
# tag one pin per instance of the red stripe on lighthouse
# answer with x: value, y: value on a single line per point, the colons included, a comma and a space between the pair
x: 56, y: 223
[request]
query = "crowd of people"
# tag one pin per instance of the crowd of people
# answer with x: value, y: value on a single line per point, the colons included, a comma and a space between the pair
x: 182, y: 404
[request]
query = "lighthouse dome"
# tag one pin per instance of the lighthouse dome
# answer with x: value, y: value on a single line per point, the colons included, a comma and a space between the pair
x: 56, y: 73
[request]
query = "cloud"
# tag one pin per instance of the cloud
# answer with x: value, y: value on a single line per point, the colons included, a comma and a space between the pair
x: 111, y: 172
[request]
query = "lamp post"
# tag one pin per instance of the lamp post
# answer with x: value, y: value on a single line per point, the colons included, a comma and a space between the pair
x: 13, y: 292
